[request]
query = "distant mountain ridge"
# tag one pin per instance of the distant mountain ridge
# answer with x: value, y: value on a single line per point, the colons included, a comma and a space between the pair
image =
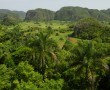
x: 69, y: 14
x: 14, y: 14
x: 76, y: 13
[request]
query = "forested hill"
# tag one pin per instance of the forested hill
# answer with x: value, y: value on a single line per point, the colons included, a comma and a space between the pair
x: 40, y: 15
x: 14, y: 14
x: 76, y: 13
x: 68, y: 14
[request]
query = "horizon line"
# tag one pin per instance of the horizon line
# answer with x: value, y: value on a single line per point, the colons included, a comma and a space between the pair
x: 51, y: 9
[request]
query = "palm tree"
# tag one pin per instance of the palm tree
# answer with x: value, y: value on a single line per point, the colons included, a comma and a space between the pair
x: 87, y: 64
x: 44, y: 47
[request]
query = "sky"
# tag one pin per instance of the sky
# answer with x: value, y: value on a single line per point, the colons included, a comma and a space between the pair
x: 25, y: 5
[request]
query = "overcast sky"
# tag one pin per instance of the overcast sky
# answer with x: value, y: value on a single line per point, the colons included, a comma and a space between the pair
x: 24, y: 5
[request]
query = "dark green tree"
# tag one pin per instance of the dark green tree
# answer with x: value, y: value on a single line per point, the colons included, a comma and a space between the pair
x: 8, y: 20
x: 87, y: 65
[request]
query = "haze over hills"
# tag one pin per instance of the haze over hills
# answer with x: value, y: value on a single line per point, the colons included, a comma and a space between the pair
x: 68, y: 13
x: 14, y: 14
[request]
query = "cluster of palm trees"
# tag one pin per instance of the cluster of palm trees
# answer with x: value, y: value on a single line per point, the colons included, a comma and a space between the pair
x: 85, y: 61
x: 87, y: 64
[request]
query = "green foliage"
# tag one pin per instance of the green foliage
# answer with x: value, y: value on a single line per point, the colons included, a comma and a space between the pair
x: 87, y: 28
x: 8, y: 20
x: 91, y: 29
x: 22, y: 54
x: 26, y: 73
x: 30, y: 57
x: 24, y: 77
x: 6, y: 76
x: 52, y: 85
x: 25, y: 86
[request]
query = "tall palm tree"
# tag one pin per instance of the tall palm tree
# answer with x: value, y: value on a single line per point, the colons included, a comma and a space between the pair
x: 87, y: 64
x: 44, y: 47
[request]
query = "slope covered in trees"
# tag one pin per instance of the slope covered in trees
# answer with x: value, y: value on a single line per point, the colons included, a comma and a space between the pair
x: 76, y: 13
x: 39, y: 15
x: 71, y: 13
x: 14, y: 14
x: 68, y: 14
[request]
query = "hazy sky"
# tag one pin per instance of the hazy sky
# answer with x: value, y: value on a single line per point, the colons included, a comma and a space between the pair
x: 24, y: 5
